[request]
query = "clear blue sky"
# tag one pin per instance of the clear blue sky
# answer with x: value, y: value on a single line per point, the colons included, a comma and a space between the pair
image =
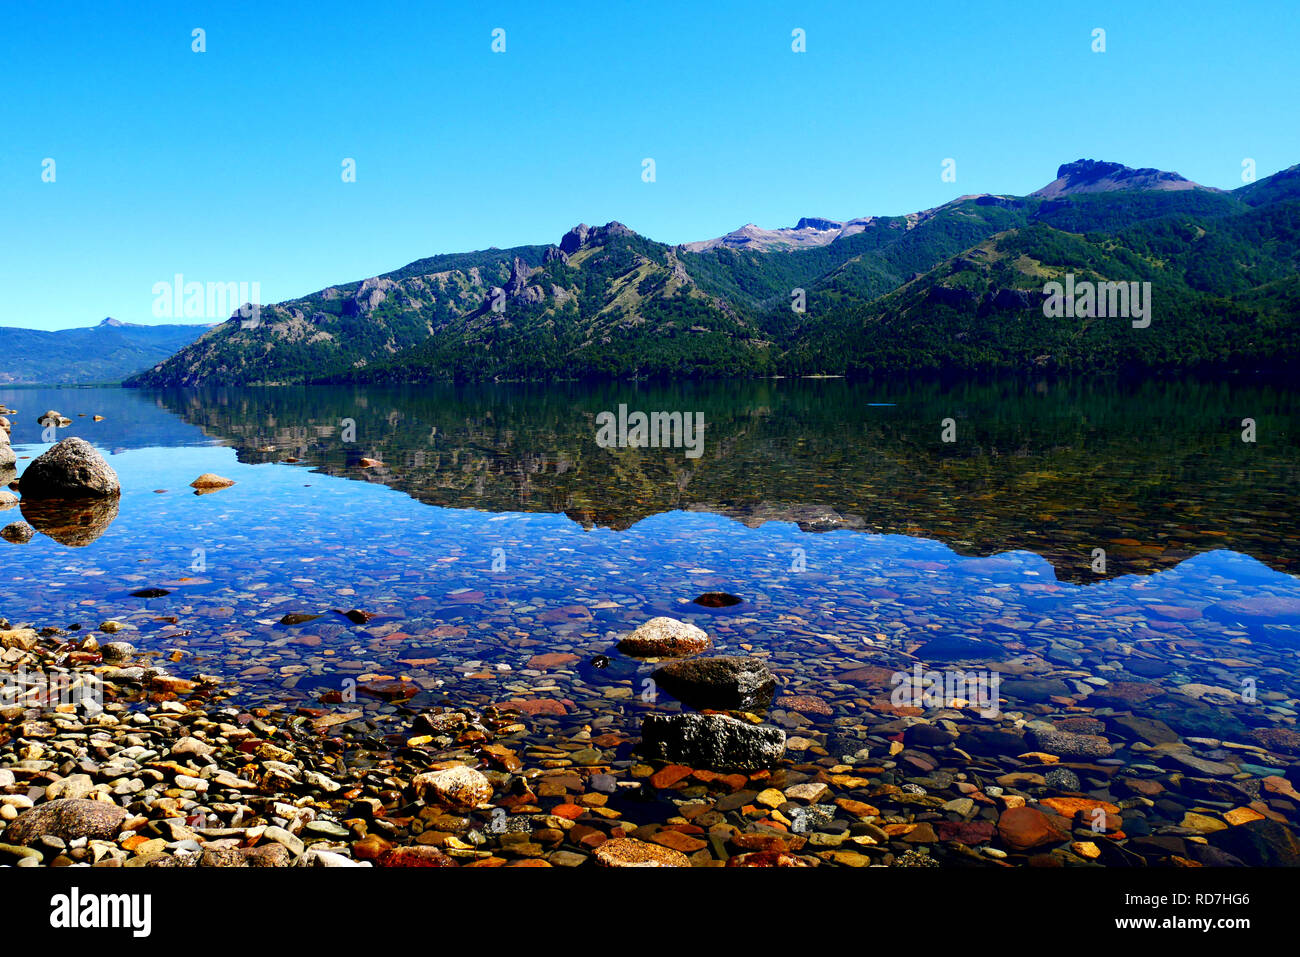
x: 225, y: 165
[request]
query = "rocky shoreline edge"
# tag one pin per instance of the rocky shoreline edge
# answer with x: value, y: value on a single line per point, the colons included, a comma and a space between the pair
x: 155, y: 770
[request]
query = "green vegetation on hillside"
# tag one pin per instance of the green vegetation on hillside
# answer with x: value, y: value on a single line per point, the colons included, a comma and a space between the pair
x: 957, y: 287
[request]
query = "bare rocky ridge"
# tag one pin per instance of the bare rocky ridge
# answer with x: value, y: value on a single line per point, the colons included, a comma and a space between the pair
x: 1095, y: 176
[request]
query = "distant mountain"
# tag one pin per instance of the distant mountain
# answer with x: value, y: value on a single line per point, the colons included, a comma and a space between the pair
x: 954, y: 287
x: 809, y: 231
x: 106, y: 353
x: 1092, y: 176
x: 604, y: 300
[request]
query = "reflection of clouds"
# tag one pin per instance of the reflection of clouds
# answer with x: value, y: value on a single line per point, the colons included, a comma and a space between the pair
x: 71, y: 522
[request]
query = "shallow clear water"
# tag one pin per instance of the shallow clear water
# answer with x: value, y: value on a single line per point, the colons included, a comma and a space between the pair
x: 496, y: 529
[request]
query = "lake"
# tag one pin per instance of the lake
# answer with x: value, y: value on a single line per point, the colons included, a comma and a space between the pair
x: 1114, y: 554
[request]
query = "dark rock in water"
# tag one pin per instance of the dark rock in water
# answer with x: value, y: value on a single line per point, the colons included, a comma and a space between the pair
x: 1263, y: 842
x: 1149, y: 730
x: 71, y: 522
x: 839, y: 744
x: 297, y: 618
x: 1219, y: 769
x: 150, y: 593
x: 726, y: 681
x: 1210, y: 856
x: 599, y: 661
x: 1116, y: 855
x: 947, y: 648
x: 1135, y: 825
x: 966, y: 832
x: 1124, y: 695
x: 1202, y: 789
x: 69, y: 819
x: 991, y: 743
x: 70, y: 469
x: 1080, y: 724
x: 928, y: 736
x: 718, y: 599
x: 1158, y: 847
x: 1278, y: 740
x: 1196, y: 719
x: 1063, y: 779
x: 712, y: 742
x: 1034, y: 689
x: 17, y: 533
x: 1067, y: 745
x: 1147, y: 667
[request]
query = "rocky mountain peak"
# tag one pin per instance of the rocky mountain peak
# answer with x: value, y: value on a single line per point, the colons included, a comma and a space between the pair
x: 816, y: 222
x: 574, y: 239
x: 583, y: 235
x: 1097, y: 176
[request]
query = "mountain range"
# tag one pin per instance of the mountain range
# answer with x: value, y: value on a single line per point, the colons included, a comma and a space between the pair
x: 105, y: 353
x: 956, y: 287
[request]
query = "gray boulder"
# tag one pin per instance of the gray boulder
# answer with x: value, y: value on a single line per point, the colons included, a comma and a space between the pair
x: 70, y: 469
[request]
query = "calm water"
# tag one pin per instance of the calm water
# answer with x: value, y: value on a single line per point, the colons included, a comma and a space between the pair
x: 497, y: 529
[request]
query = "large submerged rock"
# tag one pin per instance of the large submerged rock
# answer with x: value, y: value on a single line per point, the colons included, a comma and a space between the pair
x: 723, y: 682
x: 70, y: 469
x: 714, y: 742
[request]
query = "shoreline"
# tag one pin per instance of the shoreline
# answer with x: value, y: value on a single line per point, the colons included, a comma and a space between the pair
x: 171, y: 773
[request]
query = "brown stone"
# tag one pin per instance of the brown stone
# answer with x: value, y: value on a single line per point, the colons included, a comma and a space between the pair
x: 804, y: 704
x: 679, y: 841
x: 668, y: 776
x: 418, y: 856
x: 1022, y: 828
x: 68, y: 818
x: 536, y: 706
x: 553, y: 660
x: 629, y: 852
